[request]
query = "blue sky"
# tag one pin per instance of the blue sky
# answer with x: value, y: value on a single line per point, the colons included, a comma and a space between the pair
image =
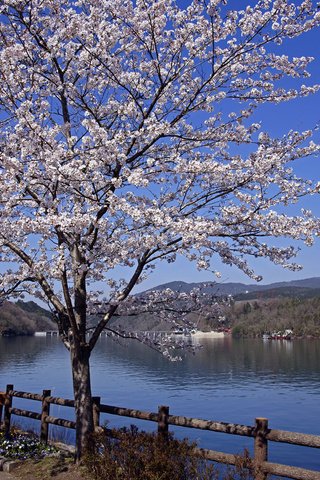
x: 300, y: 114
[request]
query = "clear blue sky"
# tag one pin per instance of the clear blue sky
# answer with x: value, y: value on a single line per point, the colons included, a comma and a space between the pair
x: 301, y: 114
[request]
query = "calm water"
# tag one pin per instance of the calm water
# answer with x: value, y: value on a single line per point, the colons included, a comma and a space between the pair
x: 227, y: 380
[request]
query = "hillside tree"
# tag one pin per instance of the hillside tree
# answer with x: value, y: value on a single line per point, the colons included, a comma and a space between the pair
x: 129, y: 135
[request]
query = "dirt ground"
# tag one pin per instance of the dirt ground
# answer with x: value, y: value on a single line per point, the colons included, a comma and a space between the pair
x: 50, y: 468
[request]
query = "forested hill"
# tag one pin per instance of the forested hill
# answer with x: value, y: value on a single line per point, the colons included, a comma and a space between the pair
x: 255, y: 309
x: 250, y: 318
x: 24, y: 318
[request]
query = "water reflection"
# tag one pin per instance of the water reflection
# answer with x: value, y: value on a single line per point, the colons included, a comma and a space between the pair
x: 227, y: 380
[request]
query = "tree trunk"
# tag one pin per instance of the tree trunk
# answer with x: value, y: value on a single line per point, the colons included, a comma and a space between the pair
x: 83, y: 400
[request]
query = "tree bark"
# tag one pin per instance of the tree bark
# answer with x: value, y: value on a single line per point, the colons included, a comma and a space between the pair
x: 80, y: 356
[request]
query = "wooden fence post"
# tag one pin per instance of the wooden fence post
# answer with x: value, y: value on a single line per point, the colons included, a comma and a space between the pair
x: 2, y: 400
x: 163, y: 426
x: 45, y: 411
x: 96, y: 411
x: 260, y: 447
x: 7, y: 412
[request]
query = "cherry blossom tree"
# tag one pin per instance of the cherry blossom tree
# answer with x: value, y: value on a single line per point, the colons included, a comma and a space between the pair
x: 129, y: 136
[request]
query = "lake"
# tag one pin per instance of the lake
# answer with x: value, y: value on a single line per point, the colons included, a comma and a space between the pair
x: 230, y: 380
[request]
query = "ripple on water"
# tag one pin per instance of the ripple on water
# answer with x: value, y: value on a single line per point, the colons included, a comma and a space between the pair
x: 232, y: 381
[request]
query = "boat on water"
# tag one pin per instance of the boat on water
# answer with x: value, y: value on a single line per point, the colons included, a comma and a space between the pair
x: 282, y: 335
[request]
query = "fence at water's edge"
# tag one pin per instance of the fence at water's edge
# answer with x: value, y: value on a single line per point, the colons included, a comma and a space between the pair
x: 260, y: 432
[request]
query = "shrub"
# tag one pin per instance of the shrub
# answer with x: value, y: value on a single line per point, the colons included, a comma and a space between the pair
x: 136, y: 455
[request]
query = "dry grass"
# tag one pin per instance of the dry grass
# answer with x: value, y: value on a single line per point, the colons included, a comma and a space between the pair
x: 49, y: 468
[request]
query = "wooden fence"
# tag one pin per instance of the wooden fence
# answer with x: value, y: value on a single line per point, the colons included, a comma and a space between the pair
x: 260, y: 432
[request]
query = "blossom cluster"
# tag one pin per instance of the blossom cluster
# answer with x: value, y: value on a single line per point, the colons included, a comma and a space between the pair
x: 129, y: 136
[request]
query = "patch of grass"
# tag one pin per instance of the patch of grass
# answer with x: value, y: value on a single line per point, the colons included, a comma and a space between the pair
x: 49, y: 468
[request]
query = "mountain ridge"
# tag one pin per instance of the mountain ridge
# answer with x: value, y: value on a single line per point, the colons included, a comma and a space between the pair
x: 235, y: 288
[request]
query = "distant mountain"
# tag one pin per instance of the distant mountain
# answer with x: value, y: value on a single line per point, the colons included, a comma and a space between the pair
x: 313, y: 282
x: 208, y: 287
x: 34, y: 308
x: 232, y: 288
x: 291, y: 292
x: 24, y: 318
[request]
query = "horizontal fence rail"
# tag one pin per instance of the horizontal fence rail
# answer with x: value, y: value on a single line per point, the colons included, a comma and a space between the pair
x: 260, y: 432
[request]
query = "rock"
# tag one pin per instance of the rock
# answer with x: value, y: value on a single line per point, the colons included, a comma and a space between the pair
x: 10, y: 465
